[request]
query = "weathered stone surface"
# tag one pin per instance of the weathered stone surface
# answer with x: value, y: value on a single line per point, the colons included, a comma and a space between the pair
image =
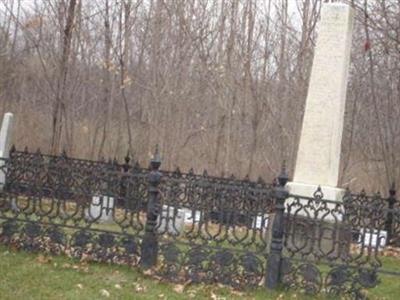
x: 101, y: 208
x: 5, y: 143
x: 171, y: 221
x: 318, y: 155
x: 6, y: 134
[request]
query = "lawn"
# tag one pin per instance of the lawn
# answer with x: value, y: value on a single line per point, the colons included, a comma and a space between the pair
x: 35, y: 276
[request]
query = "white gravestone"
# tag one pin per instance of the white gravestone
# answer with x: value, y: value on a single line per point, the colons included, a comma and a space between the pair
x: 318, y: 155
x: 192, y: 216
x: 175, y: 222
x: 5, y: 144
x: 260, y: 222
x: 101, y: 208
x: 372, y: 238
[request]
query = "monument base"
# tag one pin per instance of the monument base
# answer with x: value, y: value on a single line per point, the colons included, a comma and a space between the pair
x: 316, y: 227
x: 308, y: 190
x: 300, y: 193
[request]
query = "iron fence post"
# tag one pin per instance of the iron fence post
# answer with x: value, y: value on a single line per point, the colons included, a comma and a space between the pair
x: 149, y: 248
x: 274, y: 261
x: 389, y: 219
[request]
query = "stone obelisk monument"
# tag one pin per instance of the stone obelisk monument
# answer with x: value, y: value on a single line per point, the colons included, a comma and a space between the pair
x: 5, y: 144
x: 318, y: 155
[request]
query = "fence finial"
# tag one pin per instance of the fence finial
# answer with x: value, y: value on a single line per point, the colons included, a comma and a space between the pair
x: 127, y: 157
x: 392, y: 190
x: 283, y: 177
x: 155, y: 162
x: 177, y: 172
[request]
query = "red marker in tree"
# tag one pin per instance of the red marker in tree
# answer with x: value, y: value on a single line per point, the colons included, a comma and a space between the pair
x: 367, y: 46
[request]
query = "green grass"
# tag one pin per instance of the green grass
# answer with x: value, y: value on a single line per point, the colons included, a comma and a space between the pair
x: 34, y: 276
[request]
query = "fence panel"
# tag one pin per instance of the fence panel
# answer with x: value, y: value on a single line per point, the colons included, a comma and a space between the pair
x: 333, y: 246
x: 214, y: 230
x: 61, y: 205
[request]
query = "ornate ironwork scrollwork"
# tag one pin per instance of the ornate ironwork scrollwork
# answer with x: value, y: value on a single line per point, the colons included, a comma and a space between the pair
x: 209, y: 229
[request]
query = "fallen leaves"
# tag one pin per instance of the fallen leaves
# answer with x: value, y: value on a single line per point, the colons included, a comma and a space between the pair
x: 82, y: 267
x: 139, y: 288
x: 43, y: 259
x: 86, y: 257
x: 391, y: 251
x: 216, y: 297
x: 149, y: 272
x: 104, y: 293
x: 153, y: 274
x: 179, y: 288
x: 280, y: 297
x: 237, y: 293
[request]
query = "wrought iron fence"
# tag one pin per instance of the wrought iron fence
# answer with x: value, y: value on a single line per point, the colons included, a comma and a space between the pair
x: 52, y: 205
x: 320, y: 232
x: 196, y: 227
x: 214, y: 231
x: 212, y: 225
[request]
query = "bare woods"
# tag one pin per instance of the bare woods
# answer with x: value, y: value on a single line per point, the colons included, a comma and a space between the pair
x: 219, y: 84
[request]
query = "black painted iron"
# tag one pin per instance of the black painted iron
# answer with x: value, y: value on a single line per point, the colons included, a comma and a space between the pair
x: 274, y: 262
x: 196, y: 227
x: 150, y: 239
x: 389, y: 218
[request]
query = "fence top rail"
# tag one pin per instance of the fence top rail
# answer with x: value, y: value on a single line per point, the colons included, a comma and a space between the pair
x: 115, y: 166
x: 353, y: 200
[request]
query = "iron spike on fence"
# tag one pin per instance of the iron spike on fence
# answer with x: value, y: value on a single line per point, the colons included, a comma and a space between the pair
x: 347, y: 196
x: 177, y: 172
x: 126, y: 165
x: 392, y: 190
x: 155, y: 162
x: 283, y: 177
x: 127, y: 157
x: 136, y: 166
x: 260, y: 180
x: 149, y: 248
